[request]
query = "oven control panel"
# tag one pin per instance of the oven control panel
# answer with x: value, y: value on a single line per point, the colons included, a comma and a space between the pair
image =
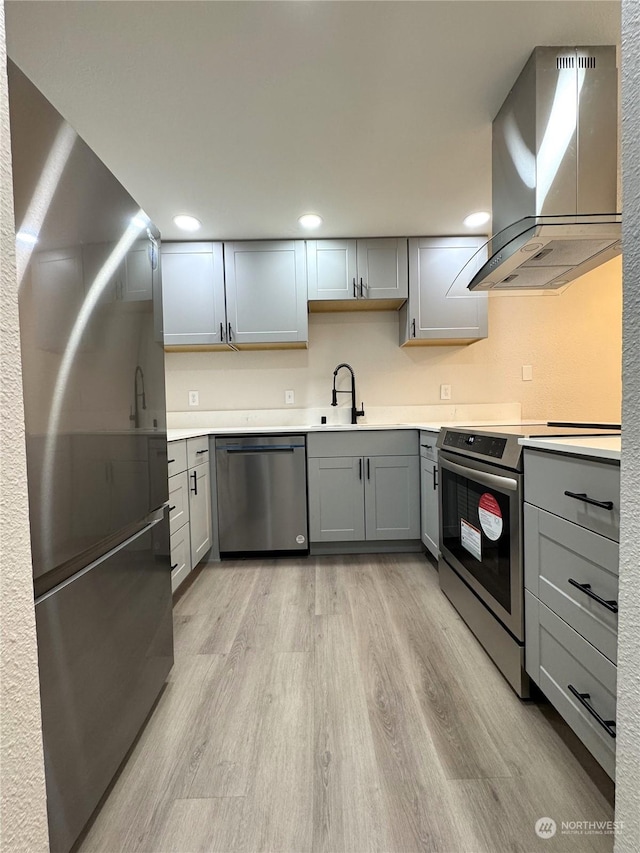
x: 483, y: 445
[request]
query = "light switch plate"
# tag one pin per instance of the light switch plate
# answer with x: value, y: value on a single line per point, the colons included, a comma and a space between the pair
x: 194, y: 398
x: 445, y: 392
x: 527, y: 372
x: 289, y: 398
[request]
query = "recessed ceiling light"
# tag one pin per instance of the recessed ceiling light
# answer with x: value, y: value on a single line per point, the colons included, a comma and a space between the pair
x: 186, y: 222
x: 475, y: 220
x: 310, y: 220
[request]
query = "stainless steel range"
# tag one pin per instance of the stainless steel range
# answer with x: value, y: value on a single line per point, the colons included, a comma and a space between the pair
x: 481, y: 565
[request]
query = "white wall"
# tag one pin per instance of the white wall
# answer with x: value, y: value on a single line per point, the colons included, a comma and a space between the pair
x: 573, y: 342
x: 628, y: 713
x: 23, y: 818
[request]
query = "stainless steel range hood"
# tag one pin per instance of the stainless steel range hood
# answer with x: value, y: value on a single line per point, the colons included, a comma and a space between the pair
x: 555, y: 181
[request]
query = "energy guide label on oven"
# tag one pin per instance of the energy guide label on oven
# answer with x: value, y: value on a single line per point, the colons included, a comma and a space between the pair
x: 490, y: 516
x: 471, y: 539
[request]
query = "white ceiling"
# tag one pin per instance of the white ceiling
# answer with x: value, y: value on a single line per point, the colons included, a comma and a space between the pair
x: 377, y: 115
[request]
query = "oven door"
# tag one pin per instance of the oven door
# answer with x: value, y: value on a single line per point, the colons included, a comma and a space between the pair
x: 481, y: 533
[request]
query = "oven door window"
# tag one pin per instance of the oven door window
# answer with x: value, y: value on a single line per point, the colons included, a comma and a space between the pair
x: 476, y: 531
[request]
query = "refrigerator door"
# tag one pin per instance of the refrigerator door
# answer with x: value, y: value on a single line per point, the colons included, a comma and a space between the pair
x: 91, y: 334
x: 105, y: 647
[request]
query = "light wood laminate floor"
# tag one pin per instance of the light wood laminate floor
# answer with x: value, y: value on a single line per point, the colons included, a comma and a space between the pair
x: 340, y: 704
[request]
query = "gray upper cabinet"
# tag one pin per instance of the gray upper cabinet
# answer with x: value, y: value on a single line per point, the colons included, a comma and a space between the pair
x: 266, y: 287
x: 193, y: 294
x: 439, y: 311
x: 137, y: 284
x: 357, y: 274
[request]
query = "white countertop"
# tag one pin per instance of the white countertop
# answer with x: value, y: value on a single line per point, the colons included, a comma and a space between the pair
x: 178, y: 434
x: 598, y: 446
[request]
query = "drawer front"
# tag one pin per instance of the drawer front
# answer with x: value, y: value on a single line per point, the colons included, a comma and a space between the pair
x: 547, y: 476
x: 566, y: 659
x: 178, y: 501
x: 428, y: 445
x: 402, y: 442
x: 180, y: 557
x: 177, y: 456
x: 197, y: 451
x: 557, y: 552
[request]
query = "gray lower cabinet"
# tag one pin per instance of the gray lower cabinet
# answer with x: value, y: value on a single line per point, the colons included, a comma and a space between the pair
x: 359, y: 274
x: 199, y: 512
x: 372, y: 495
x: 336, y: 499
x: 392, y: 497
x: 266, y: 290
x: 571, y: 530
x: 190, y: 516
x: 429, y: 493
x: 440, y: 309
x: 180, y: 556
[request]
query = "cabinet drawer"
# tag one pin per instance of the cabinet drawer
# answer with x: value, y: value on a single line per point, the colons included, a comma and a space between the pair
x: 178, y: 501
x: 428, y: 445
x: 369, y: 443
x: 566, y: 659
x: 197, y: 451
x: 180, y: 557
x: 555, y: 552
x: 547, y: 476
x: 177, y: 451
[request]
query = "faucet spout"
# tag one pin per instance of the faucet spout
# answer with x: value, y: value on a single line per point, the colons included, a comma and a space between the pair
x: 137, y: 395
x: 355, y: 411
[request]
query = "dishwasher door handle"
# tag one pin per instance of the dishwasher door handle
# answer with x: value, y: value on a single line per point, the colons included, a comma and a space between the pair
x: 258, y: 449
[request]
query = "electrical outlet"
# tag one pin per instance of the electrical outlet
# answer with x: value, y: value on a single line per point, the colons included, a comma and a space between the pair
x: 445, y: 392
x: 289, y: 398
x: 527, y: 372
x: 194, y: 398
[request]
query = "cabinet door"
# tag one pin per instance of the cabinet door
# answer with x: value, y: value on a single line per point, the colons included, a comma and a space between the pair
x: 199, y: 512
x: 193, y: 294
x: 331, y: 269
x: 137, y: 284
x: 429, y: 505
x: 439, y: 310
x: 336, y: 499
x: 178, y: 501
x: 383, y: 271
x: 266, y: 286
x: 180, y: 556
x: 392, y: 497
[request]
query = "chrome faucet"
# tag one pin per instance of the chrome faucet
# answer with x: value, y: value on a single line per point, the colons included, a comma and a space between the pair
x: 135, y: 415
x: 355, y: 412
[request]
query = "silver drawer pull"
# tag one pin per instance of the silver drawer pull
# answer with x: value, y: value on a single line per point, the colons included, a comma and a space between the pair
x: 582, y: 496
x: 586, y: 588
x: 607, y: 725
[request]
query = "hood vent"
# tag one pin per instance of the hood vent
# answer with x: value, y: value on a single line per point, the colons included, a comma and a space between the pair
x: 555, y: 173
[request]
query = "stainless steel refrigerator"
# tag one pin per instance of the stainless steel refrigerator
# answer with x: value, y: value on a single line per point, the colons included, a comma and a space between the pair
x: 93, y: 376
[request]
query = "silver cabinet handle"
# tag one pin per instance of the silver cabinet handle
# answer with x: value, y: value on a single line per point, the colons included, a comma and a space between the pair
x: 481, y: 476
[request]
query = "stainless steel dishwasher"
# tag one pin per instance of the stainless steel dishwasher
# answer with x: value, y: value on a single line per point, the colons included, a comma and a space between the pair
x: 262, y: 493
